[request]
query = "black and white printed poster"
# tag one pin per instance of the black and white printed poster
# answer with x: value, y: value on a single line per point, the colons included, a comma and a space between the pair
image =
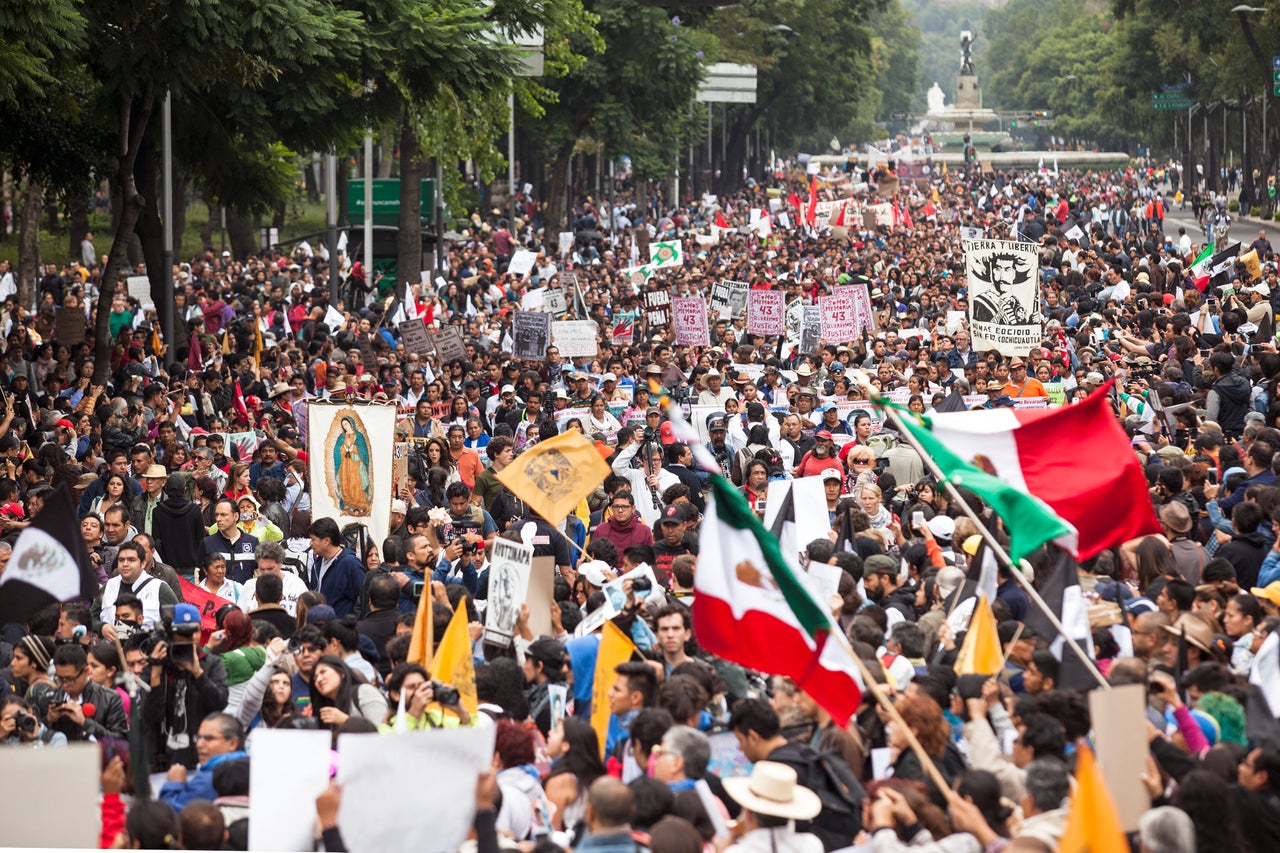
x: 1004, y: 311
x: 531, y: 334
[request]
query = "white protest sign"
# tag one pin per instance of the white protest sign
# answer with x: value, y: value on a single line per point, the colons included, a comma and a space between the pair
x: 566, y: 242
x: 689, y: 316
x: 510, y: 564
x: 574, y: 338
x: 969, y: 232
x: 140, y: 289
x: 333, y: 319
x: 533, y: 300
x: 393, y: 771
x: 765, y: 313
x: 60, y: 785
x: 1004, y: 312
x: 553, y: 301
x: 522, y: 262
x: 955, y: 321
x: 290, y: 768
x: 839, y: 319
x: 809, y: 497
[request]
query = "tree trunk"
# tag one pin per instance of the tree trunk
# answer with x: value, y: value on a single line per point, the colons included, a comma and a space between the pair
x: 78, y: 218
x: 29, y: 243
x: 149, y: 228
x: 134, y: 116
x: 242, y: 230
x: 215, y: 222
x: 557, y: 202
x: 409, y: 237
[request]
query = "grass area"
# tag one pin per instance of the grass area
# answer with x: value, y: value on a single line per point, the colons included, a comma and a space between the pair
x: 301, y: 217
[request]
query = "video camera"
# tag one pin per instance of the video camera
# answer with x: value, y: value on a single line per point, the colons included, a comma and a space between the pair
x: 181, y: 639
x: 456, y: 531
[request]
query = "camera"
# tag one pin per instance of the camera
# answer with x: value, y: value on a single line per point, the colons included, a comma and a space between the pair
x: 165, y: 632
x: 294, y: 646
x: 641, y: 584
x: 457, y: 534
x: 25, y: 722
x: 444, y: 694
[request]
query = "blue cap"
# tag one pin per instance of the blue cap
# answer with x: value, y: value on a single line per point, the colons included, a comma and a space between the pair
x: 186, y: 614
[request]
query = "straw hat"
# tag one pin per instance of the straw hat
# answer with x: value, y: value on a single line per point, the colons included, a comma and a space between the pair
x: 772, y: 789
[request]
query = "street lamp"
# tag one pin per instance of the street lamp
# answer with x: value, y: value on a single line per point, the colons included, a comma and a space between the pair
x: 1244, y: 10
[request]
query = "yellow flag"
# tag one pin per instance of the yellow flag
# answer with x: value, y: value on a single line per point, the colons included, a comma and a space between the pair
x: 1251, y: 263
x: 226, y: 343
x: 615, y: 648
x: 554, y: 475
x: 257, y: 342
x: 452, y: 663
x: 980, y: 653
x: 422, y: 640
x: 1093, y: 824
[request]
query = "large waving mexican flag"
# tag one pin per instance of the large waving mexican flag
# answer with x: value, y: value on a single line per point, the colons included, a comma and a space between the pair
x: 753, y: 608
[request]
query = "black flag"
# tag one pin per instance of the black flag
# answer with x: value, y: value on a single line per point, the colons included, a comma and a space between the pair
x: 1061, y: 592
x: 49, y: 563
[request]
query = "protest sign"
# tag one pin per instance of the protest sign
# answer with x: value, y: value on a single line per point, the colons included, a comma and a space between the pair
x: 540, y: 594
x: 65, y: 779
x: 862, y: 307
x: 393, y: 771
x: 533, y: 300
x: 969, y: 232
x: 140, y: 289
x: 657, y: 308
x: 839, y: 319
x: 530, y: 334
x: 448, y: 344
x: 810, y: 328
x: 689, y: 316
x: 334, y: 319
x: 414, y: 334
x: 553, y: 301
x: 794, y: 317
x: 522, y: 262
x: 510, y: 565
x: 69, y: 326
x: 736, y: 301
x: 765, y: 314
x: 290, y: 768
x: 566, y: 242
x: 1003, y: 296
x: 718, y: 300
x: 574, y: 338
x: 1120, y: 737
x: 624, y: 329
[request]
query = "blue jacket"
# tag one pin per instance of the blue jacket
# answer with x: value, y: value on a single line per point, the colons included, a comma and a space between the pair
x: 341, y: 584
x: 199, y: 786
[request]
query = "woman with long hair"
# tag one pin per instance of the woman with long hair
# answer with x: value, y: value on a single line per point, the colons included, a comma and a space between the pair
x: 337, y: 695
x: 306, y: 601
x: 104, y: 666
x: 238, y: 482
x: 207, y: 498
x: 574, y: 750
x: 235, y: 644
x: 436, y: 454
x: 115, y: 492
x: 267, y: 698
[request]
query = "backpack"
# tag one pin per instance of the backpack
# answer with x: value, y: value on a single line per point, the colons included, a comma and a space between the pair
x: 298, y: 562
x: 841, y: 794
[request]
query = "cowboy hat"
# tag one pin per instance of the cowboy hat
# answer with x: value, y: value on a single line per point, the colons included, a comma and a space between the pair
x: 772, y: 790
x: 1198, y: 632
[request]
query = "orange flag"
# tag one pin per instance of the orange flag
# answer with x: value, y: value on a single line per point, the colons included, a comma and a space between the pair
x: 1093, y: 824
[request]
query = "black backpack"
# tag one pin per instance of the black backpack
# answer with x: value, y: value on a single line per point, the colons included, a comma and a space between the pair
x: 828, y: 776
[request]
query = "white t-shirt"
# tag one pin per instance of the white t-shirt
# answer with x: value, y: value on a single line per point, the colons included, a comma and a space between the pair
x: 293, y: 585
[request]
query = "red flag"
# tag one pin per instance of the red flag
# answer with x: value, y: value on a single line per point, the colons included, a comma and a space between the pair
x: 237, y: 403
x: 930, y: 212
x: 208, y: 603
x: 793, y: 200
x: 811, y: 215
x: 721, y: 222
x: 195, y: 358
x: 839, y: 223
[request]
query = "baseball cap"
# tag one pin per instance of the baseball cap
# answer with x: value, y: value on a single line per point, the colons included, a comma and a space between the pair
x: 398, y: 506
x: 942, y: 527
x: 593, y: 571
x: 189, y: 614
x: 321, y: 613
x: 508, y: 389
x: 717, y: 421
x: 667, y: 433
x: 830, y: 474
x: 823, y: 433
x: 673, y: 514
x: 880, y: 564
x: 548, y: 650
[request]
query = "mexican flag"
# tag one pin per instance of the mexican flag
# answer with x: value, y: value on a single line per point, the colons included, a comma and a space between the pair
x: 1199, y: 268
x: 1067, y: 475
x: 754, y: 608
x: 666, y: 254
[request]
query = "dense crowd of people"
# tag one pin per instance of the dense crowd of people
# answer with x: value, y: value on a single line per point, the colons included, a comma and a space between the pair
x: 190, y: 474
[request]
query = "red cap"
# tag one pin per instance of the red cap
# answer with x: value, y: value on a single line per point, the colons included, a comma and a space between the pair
x: 66, y: 423
x: 1168, y: 298
x: 13, y: 508
x: 667, y: 433
x: 823, y: 433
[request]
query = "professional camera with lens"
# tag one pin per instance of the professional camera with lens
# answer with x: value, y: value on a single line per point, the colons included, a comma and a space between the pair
x: 460, y: 529
x: 444, y: 694
x: 180, y: 637
x: 641, y: 584
x: 25, y: 723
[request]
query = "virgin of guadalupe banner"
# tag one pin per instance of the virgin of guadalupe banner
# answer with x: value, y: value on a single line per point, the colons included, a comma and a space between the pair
x: 351, y: 449
x: 1004, y: 311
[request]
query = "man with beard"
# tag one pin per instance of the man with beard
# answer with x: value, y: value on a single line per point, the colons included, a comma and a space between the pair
x: 880, y: 578
x: 795, y: 444
x: 820, y: 458
x: 718, y: 431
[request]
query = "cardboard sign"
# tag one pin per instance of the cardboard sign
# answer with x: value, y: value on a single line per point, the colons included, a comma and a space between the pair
x: 553, y: 301
x: 540, y: 594
x: 575, y: 338
x: 35, y: 779
x: 510, y: 564
x: 1120, y: 737
x: 416, y: 339
x: 68, y: 326
x: 290, y: 769
x: 729, y: 299
x: 531, y: 335
x: 810, y: 328
x: 566, y: 242
x: 765, y: 313
x: 689, y: 317
x: 838, y: 318
x: 624, y: 329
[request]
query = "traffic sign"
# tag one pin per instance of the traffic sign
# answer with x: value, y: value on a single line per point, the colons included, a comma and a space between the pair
x: 386, y: 200
x: 1275, y: 62
x: 1170, y: 101
x: 1275, y: 76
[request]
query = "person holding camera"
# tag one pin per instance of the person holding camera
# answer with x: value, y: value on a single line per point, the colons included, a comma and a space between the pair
x: 19, y: 726
x: 187, y: 684
x: 80, y: 708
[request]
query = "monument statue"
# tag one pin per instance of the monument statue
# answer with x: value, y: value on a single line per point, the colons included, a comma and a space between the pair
x: 936, y: 99
x: 966, y: 49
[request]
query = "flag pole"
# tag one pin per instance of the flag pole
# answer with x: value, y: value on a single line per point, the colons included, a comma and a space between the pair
x: 996, y: 548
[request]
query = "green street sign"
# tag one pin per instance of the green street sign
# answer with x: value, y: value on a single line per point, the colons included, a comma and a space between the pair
x: 1275, y: 90
x: 1275, y: 76
x: 386, y: 200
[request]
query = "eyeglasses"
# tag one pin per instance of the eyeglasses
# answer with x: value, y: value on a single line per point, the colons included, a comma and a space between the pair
x: 860, y: 461
x: 208, y: 738
x: 312, y: 650
x: 72, y: 679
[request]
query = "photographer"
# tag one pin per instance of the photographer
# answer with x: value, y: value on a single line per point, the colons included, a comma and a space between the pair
x: 186, y: 686
x: 81, y: 708
x: 19, y: 726
x: 463, y: 540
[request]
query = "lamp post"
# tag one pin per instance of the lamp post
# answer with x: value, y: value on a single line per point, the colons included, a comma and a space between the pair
x: 1243, y: 12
